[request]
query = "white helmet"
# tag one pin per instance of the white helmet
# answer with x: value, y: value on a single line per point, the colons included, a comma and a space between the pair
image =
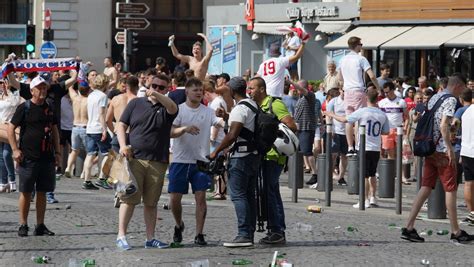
x: 286, y: 143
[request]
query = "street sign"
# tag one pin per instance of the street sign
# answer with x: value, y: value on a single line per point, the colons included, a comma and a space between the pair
x: 131, y: 23
x: 48, y: 50
x: 47, y: 19
x: 120, y: 38
x: 131, y: 9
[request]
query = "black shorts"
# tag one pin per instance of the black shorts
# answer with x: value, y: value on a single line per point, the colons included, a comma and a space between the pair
x: 65, y: 137
x: 339, y: 144
x: 37, y: 172
x: 306, y: 142
x: 371, y: 162
x: 468, y: 167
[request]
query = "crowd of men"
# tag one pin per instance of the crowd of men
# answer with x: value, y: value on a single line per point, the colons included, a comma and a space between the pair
x: 164, y: 123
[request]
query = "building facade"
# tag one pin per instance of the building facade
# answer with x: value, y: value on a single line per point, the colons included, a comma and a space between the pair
x: 14, y: 16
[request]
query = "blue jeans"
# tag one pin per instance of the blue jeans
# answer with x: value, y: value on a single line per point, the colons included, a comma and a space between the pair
x: 243, y: 174
x: 276, y: 214
x: 7, y: 168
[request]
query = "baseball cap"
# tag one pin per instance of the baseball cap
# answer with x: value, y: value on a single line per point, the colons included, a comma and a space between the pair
x: 225, y: 76
x: 37, y: 81
x: 46, y: 76
x: 237, y: 84
x: 83, y: 83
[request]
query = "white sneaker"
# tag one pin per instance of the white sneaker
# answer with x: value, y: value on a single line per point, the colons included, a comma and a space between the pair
x: 367, y: 204
x: 12, y: 186
x: 4, y: 188
x: 314, y: 186
x: 373, y: 201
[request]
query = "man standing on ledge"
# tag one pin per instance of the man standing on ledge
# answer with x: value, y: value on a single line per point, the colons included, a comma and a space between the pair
x: 197, y: 62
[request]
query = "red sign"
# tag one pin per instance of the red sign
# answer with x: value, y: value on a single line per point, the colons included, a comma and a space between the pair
x: 47, y: 19
x: 250, y: 13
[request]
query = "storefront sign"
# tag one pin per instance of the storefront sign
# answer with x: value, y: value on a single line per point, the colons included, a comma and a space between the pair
x: 250, y: 13
x: 12, y: 34
x: 311, y: 14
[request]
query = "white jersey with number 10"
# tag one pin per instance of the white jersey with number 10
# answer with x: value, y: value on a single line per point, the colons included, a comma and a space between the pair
x: 376, y: 123
x: 272, y: 71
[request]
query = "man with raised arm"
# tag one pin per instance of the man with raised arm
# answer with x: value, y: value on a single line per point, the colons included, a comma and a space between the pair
x: 197, y: 62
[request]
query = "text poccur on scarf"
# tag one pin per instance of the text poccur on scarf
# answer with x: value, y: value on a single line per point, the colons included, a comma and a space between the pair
x: 39, y: 65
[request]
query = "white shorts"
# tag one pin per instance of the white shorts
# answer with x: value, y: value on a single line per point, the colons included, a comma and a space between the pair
x: 317, y: 134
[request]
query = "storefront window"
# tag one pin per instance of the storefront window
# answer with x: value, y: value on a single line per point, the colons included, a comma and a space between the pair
x: 390, y: 57
x: 458, y: 60
x: 411, y: 65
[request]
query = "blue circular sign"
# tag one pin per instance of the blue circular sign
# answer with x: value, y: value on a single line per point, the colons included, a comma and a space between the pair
x: 48, y: 50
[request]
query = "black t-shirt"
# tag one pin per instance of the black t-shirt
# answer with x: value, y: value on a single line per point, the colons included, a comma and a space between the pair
x: 113, y: 93
x: 36, y: 134
x: 55, y: 93
x: 178, y: 96
x: 150, y: 127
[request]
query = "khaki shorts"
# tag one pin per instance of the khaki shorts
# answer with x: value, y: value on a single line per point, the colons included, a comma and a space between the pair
x: 389, y: 141
x: 354, y: 99
x: 150, y: 176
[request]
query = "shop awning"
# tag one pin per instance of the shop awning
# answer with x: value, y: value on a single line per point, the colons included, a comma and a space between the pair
x: 333, y: 26
x: 270, y: 28
x: 425, y: 37
x: 464, y: 40
x: 372, y: 37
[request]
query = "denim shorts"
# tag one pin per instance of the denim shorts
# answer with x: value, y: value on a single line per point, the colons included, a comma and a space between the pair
x: 181, y: 174
x: 94, y: 145
x: 39, y: 174
x: 78, y: 138
x: 306, y: 142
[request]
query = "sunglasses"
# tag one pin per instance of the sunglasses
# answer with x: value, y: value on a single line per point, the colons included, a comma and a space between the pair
x: 160, y: 87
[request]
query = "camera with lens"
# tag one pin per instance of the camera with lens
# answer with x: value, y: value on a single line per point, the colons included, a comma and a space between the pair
x: 213, y: 167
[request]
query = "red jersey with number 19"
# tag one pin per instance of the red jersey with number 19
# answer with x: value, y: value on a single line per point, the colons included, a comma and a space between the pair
x: 272, y: 71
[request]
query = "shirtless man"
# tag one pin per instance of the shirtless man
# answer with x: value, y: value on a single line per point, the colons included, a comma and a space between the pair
x: 196, y: 62
x: 223, y: 90
x: 111, y: 72
x: 78, y: 136
x: 117, y: 106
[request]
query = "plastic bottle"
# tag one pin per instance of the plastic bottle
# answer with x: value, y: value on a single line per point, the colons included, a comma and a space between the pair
x: 351, y: 228
x: 303, y: 227
x: 241, y: 262
x: 40, y: 259
x: 442, y: 232
x: 88, y: 262
x: 429, y: 232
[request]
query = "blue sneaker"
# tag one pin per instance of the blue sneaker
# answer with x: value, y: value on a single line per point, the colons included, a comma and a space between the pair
x: 122, y: 243
x: 50, y: 198
x: 155, y: 243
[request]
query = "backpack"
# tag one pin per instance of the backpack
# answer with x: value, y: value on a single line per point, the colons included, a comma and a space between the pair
x: 423, y: 143
x: 265, y: 133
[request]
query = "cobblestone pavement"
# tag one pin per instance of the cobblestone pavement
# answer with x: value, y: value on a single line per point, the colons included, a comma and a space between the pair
x: 88, y: 230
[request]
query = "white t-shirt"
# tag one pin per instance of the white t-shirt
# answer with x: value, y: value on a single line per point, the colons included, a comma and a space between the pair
x: 95, y: 102
x: 467, y: 136
x: 376, y: 123
x: 141, y: 91
x: 336, y: 105
x: 188, y: 148
x: 272, y: 71
x: 8, y: 105
x: 353, y: 67
x: 215, y: 104
x: 394, y: 110
x: 294, y: 41
x: 244, y: 115
x: 67, y: 116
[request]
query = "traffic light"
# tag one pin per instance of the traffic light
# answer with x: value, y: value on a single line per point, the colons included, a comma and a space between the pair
x: 30, y: 38
x: 132, y: 42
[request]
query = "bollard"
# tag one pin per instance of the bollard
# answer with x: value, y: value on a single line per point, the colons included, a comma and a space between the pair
x: 295, y: 174
x: 79, y: 163
x: 398, y: 187
x: 321, y: 160
x: 353, y: 175
x: 437, y: 203
x: 386, y: 170
x: 329, y: 168
x: 362, y: 167
x: 419, y: 172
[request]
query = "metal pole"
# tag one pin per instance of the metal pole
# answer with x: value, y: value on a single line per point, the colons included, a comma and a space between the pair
x: 294, y: 191
x: 362, y: 167
x: 419, y: 171
x: 125, y: 50
x: 328, y: 174
x: 398, y: 185
x: 295, y: 174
